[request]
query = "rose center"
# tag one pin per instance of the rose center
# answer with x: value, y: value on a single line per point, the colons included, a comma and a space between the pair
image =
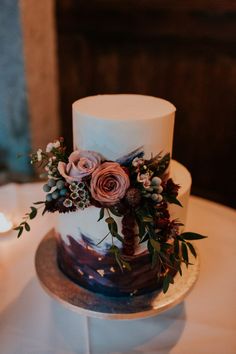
x: 110, y: 185
x: 84, y: 163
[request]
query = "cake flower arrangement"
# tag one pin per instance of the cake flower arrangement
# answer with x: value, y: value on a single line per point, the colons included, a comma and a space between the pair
x: 134, y: 188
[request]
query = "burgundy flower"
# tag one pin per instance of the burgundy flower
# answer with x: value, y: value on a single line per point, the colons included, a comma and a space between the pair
x: 109, y: 183
x: 171, y: 188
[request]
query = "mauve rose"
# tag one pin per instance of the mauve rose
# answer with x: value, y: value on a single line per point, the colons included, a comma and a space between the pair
x: 109, y: 183
x: 81, y: 164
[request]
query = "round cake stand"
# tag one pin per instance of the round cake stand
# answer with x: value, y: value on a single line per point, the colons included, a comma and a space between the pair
x: 88, y: 303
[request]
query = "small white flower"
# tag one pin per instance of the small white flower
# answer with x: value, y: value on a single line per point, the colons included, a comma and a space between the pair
x: 137, y: 162
x: 49, y: 147
x: 49, y: 162
x: 39, y: 155
x: 144, y: 178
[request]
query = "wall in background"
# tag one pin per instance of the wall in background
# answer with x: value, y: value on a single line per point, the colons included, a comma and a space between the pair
x: 182, y: 51
x: 14, y: 127
x: 28, y: 83
x: 40, y: 52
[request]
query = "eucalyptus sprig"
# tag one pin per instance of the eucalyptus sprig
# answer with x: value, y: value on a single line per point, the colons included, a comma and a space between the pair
x: 111, y: 223
x: 24, y: 225
x: 113, y: 231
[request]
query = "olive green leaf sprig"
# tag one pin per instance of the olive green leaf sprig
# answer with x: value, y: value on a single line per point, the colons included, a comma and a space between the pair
x: 169, y: 256
x: 24, y: 225
x: 48, y: 159
x: 113, y: 231
x: 111, y: 223
x: 180, y: 255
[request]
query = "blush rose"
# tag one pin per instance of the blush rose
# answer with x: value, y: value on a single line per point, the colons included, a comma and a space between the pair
x: 82, y: 163
x: 109, y: 183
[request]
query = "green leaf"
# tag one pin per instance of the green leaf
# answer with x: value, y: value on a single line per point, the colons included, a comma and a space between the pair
x: 155, y: 244
x: 149, y: 247
x: 172, y: 259
x: 192, y: 249
x: 109, y: 220
x: 165, y: 258
x: 180, y: 238
x: 151, y: 231
x: 125, y: 264
x: 118, y: 260
x: 147, y: 219
x: 20, y: 232
x: 192, y: 236
x: 142, y: 229
x: 119, y: 237
x: 159, y: 165
x: 19, y: 229
x: 145, y: 237
x: 166, y: 283
x: 27, y: 227
x: 113, y: 227
x: 176, y: 247
x: 113, y: 249
x: 115, y: 212
x: 154, y: 259
x: 44, y: 210
x: 101, y: 214
x: 33, y: 213
x: 172, y: 200
x: 184, y: 253
x: 166, y: 246
x: 180, y: 270
x: 163, y: 163
x: 171, y: 278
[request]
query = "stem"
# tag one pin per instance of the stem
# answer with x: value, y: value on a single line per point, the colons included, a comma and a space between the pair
x: 103, y: 239
x: 112, y: 240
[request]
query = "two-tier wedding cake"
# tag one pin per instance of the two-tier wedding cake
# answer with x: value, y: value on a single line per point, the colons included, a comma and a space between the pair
x: 122, y: 200
x: 115, y: 125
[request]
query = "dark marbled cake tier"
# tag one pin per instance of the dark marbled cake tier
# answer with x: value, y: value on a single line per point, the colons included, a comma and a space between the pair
x: 100, y: 273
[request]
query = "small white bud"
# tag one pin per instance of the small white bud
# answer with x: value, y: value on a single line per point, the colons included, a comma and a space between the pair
x: 39, y: 155
x: 49, y: 147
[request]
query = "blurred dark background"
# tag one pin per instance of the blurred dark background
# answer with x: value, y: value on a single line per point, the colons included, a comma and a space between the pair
x: 183, y: 52
x: 55, y: 52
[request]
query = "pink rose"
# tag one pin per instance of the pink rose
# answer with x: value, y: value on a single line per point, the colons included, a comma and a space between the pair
x: 109, y: 183
x: 81, y: 163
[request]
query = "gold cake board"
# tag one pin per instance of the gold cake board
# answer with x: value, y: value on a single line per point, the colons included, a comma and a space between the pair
x: 89, y: 303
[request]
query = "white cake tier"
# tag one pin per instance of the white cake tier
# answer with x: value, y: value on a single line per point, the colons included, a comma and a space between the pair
x: 114, y: 125
x: 82, y: 226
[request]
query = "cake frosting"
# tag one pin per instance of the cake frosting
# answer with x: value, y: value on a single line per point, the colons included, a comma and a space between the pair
x: 114, y: 125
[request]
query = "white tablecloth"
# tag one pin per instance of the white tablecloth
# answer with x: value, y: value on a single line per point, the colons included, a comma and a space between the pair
x: 33, y: 323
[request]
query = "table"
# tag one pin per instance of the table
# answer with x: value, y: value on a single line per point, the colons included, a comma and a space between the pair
x: 33, y: 323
